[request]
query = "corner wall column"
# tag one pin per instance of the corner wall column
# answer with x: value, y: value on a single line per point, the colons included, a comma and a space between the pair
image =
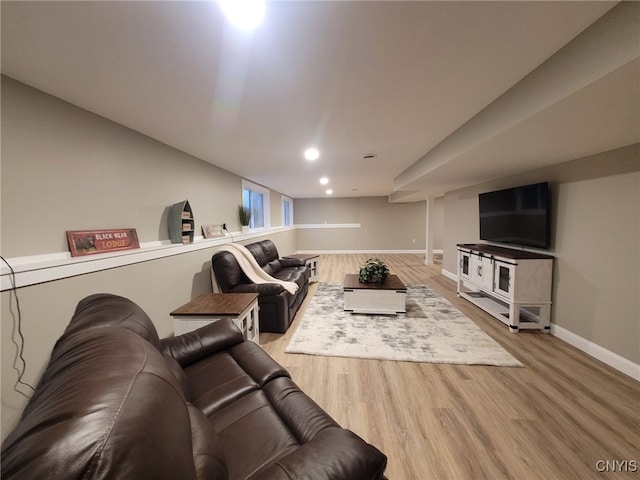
x: 428, y: 260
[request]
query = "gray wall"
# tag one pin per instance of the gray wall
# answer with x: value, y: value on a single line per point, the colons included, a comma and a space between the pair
x: 383, y: 225
x: 67, y: 169
x: 64, y: 168
x: 595, y: 237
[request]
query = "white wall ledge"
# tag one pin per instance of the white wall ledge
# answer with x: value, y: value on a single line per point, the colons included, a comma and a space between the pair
x: 36, y: 269
x: 369, y: 251
x: 327, y: 225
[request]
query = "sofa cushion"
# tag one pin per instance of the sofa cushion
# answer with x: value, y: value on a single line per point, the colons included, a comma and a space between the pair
x: 208, y: 452
x: 253, y: 433
x: 304, y: 417
x: 269, y: 249
x: 238, y: 371
x: 178, y: 372
x: 279, y: 431
x: 217, y: 381
x: 333, y: 453
x: 227, y: 271
x: 259, y: 413
x: 258, y: 254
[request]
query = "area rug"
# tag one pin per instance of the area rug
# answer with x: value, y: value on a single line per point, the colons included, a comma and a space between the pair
x: 432, y: 330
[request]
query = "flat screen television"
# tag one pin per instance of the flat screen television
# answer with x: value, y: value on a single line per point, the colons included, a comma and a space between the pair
x: 518, y: 216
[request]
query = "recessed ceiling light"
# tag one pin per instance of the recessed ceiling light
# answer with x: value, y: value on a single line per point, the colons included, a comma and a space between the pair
x: 311, y: 153
x: 329, y: 192
x: 324, y: 180
x: 246, y: 14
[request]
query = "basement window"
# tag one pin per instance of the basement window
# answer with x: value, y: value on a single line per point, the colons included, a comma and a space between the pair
x: 256, y: 198
x: 287, y: 211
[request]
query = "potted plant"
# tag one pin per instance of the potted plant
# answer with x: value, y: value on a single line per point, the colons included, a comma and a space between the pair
x: 244, y: 215
x: 374, y: 270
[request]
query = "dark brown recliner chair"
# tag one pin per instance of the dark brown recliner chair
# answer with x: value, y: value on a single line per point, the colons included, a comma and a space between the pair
x: 277, y: 306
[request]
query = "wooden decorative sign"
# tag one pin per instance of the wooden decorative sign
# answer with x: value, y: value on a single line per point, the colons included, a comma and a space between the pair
x: 89, y: 242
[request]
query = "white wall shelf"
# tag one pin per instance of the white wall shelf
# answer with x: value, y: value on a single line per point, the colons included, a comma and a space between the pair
x: 36, y: 269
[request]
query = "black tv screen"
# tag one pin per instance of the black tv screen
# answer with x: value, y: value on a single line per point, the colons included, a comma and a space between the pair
x: 518, y: 216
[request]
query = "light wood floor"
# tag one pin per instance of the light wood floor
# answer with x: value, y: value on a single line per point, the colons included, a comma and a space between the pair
x: 554, y: 419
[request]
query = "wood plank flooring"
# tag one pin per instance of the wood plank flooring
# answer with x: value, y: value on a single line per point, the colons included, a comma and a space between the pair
x: 554, y: 419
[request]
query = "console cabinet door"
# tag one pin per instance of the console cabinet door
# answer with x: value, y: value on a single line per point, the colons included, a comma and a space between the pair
x: 482, y: 270
x: 464, y: 264
x: 504, y: 279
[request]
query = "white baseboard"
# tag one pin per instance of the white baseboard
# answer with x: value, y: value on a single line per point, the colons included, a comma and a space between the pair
x: 612, y: 359
x: 450, y: 275
x: 587, y: 346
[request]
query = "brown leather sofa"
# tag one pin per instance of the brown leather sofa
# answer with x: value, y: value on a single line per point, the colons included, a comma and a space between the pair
x: 277, y: 306
x: 118, y: 403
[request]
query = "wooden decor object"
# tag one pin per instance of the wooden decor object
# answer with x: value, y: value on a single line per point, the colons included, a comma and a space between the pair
x: 181, y: 223
x: 89, y: 242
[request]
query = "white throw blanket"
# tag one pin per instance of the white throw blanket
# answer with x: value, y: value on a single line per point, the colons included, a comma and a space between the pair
x: 252, y: 269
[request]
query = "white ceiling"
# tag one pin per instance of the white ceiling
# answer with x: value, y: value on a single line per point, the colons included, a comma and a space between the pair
x: 391, y: 78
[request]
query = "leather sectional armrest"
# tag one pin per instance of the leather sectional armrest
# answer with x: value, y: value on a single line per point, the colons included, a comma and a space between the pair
x: 262, y: 289
x: 269, y: 289
x: 291, y: 262
x: 193, y: 346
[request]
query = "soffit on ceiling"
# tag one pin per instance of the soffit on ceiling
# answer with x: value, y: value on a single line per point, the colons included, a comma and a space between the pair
x: 574, y: 127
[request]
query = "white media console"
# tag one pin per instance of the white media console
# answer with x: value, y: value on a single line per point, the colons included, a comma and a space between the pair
x: 512, y: 285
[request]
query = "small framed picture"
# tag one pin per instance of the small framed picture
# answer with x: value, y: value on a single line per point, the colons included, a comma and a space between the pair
x: 212, y: 231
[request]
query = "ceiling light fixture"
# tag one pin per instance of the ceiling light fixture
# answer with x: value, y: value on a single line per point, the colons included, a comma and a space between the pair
x: 329, y: 191
x: 311, y: 153
x: 324, y: 181
x: 244, y: 14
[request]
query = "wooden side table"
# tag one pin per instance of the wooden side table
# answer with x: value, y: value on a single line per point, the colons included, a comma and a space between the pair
x: 242, y: 308
x: 312, y: 261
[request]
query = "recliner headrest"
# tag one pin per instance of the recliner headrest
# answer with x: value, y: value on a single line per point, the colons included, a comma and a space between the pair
x: 108, y: 310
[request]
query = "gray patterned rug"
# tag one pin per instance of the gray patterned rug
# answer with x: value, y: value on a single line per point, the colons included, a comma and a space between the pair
x: 432, y: 330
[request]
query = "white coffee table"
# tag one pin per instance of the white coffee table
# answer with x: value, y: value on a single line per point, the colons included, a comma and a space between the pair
x: 386, y: 298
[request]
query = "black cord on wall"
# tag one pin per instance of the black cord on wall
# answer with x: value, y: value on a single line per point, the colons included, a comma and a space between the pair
x: 19, y: 363
x: 224, y: 227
